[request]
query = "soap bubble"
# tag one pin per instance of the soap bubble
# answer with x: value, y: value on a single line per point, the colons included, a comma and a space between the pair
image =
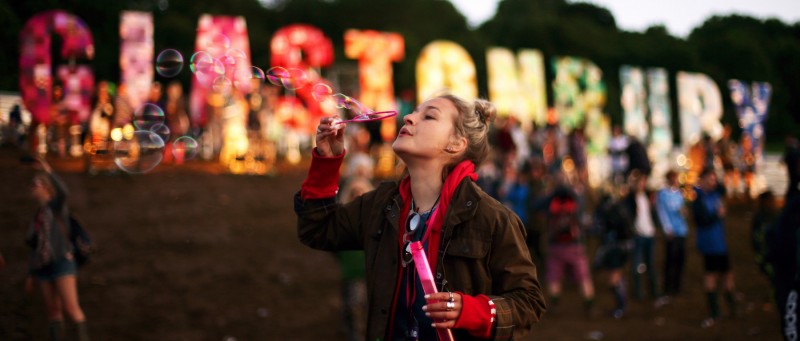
x: 140, y: 154
x: 148, y: 116
x: 184, y: 147
x: 169, y: 63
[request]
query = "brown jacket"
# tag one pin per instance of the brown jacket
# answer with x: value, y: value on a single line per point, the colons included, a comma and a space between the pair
x: 482, y: 251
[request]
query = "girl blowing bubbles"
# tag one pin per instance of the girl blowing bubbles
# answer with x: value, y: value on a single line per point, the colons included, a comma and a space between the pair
x: 487, y: 283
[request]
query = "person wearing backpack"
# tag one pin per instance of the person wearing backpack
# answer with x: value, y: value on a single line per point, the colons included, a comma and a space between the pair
x: 614, y: 224
x: 53, y: 262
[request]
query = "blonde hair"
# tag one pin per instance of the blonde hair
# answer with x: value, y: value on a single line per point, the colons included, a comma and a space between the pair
x: 472, y: 122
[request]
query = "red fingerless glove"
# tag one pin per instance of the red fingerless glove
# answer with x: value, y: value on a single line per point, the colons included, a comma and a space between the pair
x: 323, y: 177
x: 476, y: 316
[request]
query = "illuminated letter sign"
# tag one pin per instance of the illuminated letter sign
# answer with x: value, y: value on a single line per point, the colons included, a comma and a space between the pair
x: 306, y: 48
x: 375, y: 52
x: 700, y: 105
x: 751, y: 108
x: 225, y: 39
x: 445, y: 66
x: 518, y: 92
x: 35, y: 63
x: 136, y: 55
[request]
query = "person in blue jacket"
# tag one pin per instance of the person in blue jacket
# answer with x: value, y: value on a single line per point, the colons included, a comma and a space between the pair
x: 709, y: 213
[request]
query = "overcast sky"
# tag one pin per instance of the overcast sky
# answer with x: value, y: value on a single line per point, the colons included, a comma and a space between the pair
x: 679, y: 16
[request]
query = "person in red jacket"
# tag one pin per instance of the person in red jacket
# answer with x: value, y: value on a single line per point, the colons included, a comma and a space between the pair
x: 486, y: 281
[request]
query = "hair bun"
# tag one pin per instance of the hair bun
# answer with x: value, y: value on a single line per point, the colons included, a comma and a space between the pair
x: 486, y: 111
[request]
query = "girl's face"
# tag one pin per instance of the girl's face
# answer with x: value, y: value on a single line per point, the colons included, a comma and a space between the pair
x: 39, y: 191
x: 427, y: 131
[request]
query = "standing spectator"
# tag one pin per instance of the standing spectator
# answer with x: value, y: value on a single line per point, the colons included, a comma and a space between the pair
x: 60, y: 122
x: 518, y: 136
x: 15, y: 129
x: 577, y: 151
x: 176, y: 118
x: 727, y: 150
x: 52, y: 261
x: 516, y: 190
x: 503, y: 139
x: 566, y: 249
x: 763, y: 220
x: 782, y: 254
x: 671, y: 213
x: 641, y: 205
x: 619, y: 158
x: 709, y: 151
x: 351, y: 263
x: 99, y: 133
x: 123, y: 112
x: 709, y: 213
x: 553, y: 148
x: 747, y: 155
x: 537, y: 219
x: 490, y: 177
x: 637, y: 157
x: 616, y: 229
x: 791, y: 158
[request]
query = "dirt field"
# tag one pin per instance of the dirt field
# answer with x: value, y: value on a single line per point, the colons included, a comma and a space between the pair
x: 193, y: 253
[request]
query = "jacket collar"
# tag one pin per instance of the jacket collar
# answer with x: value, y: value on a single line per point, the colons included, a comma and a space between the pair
x: 462, y: 208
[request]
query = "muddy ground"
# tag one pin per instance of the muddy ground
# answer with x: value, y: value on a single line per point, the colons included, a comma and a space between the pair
x: 193, y: 253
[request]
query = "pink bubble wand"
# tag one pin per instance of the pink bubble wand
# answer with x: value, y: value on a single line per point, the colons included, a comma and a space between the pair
x: 428, y: 285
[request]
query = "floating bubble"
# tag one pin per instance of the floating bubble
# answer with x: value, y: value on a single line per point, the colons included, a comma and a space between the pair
x: 292, y: 78
x: 199, y: 59
x: 184, y: 147
x: 139, y: 154
x: 147, y: 116
x: 297, y: 79
x: 234, y: 58
x: 321, y: 92
x: 257, y: 73
x: 347, y: 102
x: 222, y: 85
x: 161, y: 130
x: 169, y: 63
x: 276, y: 75
x: 208, y: 70
x: 245, y: 77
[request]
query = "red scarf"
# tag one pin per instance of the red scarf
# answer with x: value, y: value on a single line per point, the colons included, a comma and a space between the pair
x: 463, y: 170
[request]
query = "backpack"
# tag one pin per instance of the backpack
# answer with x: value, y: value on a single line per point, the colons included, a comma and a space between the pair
x: 563, y: 219
x: 81, y: 240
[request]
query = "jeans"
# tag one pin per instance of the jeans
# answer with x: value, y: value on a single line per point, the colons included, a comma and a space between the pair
x: 674, y: 259
x: 643, y: 264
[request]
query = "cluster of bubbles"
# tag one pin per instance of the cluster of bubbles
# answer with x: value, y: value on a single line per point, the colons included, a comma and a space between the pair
x: 231, y: 68
x: 140, y: 149
x: 293, y: 79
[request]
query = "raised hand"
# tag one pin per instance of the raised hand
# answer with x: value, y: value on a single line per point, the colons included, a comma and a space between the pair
x: 330, y: 136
